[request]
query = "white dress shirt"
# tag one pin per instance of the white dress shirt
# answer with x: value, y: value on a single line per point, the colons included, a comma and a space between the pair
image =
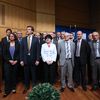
x: 78, y: 47
x: 48, y: 53
x: 97, y: 49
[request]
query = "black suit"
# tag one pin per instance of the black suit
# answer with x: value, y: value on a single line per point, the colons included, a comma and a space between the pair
x: 80, y: 63
x: 20, y: 68
x: 29, y: 60
x: 4, y: 41
x: 10, y: 71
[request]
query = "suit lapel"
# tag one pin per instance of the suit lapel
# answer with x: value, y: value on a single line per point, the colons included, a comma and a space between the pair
x: 26, y: 43
x: 71, y: 47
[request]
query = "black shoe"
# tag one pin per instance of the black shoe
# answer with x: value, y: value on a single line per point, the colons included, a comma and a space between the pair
x: 62, y: 89
x: 95, y: 87
x: 5, y: 95
x: 84, y: 88
x: 71, y: 89
x: 13, y: 91
x: 76, y: 85
x: 25, y: 91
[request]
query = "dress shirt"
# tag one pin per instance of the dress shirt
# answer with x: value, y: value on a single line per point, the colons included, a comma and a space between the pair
x: 78, y: 47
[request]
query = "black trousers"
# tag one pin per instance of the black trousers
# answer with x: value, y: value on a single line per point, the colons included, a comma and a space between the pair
x: 29, y: 72
x: 80, y: 73
x: 49, y: 73
x: 10, y: 72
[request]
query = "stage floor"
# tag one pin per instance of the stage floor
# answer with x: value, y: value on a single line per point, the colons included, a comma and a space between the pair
x: 79, y: 94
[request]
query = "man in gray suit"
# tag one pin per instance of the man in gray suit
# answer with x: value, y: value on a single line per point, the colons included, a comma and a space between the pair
x: 66, y: 49
x: 95, y: 60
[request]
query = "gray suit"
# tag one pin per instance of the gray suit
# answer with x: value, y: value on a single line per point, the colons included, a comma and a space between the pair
x: 66, y: 64
x: 62, y: 52
x: 95, y: 63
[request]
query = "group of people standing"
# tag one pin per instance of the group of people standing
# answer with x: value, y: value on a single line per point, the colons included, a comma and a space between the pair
x: 39, y: 56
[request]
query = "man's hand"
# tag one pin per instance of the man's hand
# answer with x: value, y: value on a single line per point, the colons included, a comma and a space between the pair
x: 22, y: 63
x: 37, y: 63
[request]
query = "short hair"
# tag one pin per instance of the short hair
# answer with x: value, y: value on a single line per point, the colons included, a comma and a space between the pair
x: 32, y: 28
x: 14, y: 34
x: 8, y: 29
x: 48, y: 36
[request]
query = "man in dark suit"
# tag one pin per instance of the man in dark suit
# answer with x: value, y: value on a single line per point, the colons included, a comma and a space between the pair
x: 4, y: 41
x: 95, y: 60
x: 20, y: 68
x: 81, y: 55
x: 29, y: 57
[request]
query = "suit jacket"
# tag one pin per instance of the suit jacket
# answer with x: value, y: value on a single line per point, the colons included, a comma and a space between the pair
x: 34, y: 50
x: 84, y: 51
x: 62, y: 52
x: 4, y: 41
x: 92, y: 54
x: 7, y: 55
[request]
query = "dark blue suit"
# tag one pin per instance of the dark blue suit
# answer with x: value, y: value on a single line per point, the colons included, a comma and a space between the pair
x: 29, y: 60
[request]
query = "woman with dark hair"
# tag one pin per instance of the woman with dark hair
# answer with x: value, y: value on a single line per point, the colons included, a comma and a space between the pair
x: 11, y: 57
x: 49, y: 55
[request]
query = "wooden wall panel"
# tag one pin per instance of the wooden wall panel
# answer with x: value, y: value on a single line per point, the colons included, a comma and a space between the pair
x: 72, y: 12
x: 18, y: 14
x: 45, y: 15
x: 45, y: 23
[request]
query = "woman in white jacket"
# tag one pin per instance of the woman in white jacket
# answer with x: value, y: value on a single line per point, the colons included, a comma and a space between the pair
x: 49, y: 55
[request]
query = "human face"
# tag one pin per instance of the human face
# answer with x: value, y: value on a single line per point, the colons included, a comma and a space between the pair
x: 66, y: 36
x: 90, y: 37
x: 29, y: 31
x: 8, y: 32
x: 71, y: 36
x: 19, y: 34
x: 48, y: 40
x: 95, y: 36
x: 37, y: 35
x: 79, y: 35
x: 11, y: 37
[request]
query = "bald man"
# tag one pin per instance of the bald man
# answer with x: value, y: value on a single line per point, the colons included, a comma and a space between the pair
x: 81, y: 57
x: 95, y: 60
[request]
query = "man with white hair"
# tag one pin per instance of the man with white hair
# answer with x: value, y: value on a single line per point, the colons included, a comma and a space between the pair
x: 95, y: 60
x: 66, y: 50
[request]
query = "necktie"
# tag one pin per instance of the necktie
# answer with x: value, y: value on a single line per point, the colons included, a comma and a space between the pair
x: 78, y: 49
x: 67, y: 50
x: 28, y: 40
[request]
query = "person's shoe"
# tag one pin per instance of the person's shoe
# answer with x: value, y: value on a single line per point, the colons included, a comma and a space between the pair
x: 25, y: 91
x: 95, y: 87
x: 76, y: 85
x: 84, y: 88
x: 13, y: 91
x: 71, y: 89
x: 5, y: 95
x: 62, y: 89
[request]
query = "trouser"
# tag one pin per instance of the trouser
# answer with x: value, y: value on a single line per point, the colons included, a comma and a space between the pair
x: 67, y: 69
